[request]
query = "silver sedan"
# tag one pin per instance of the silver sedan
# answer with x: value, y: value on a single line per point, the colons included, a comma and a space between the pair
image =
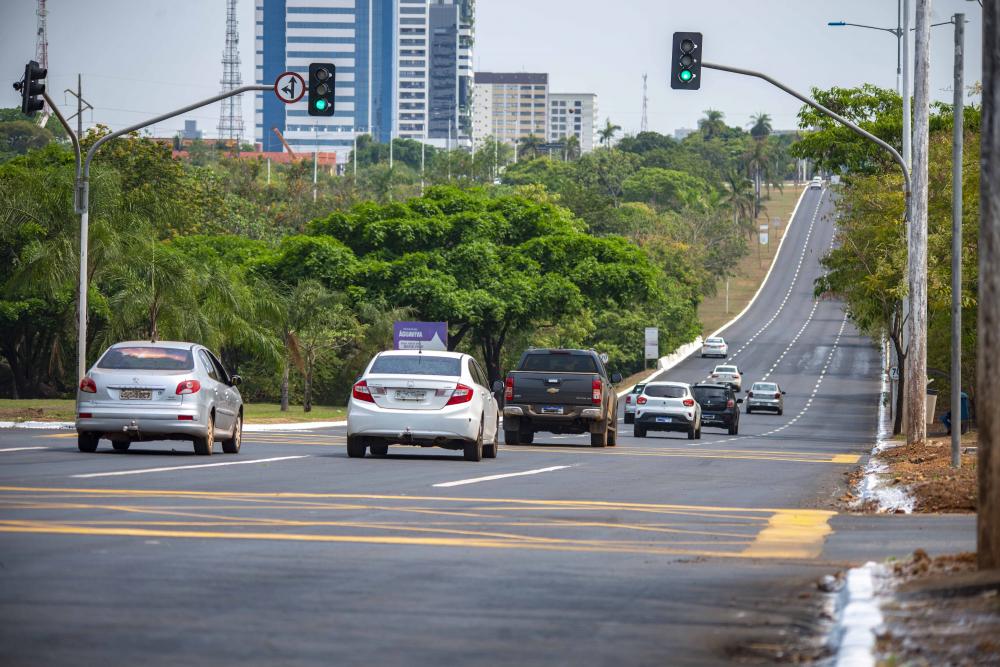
x: 141, y: 391
x: 766, y: 396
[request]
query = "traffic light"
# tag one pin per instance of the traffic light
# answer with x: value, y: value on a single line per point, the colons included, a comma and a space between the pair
x: 322, y: 83
x: 685, y: 66
x: 31, y: 88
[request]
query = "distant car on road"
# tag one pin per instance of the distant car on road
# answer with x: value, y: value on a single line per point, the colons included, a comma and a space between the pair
x: 766, y: 396
x: 728, y: 375
x: 719, y: 406
x: 141, y: 390
x: 630, y: 403
x: 561, y: 391
x: 816, y: 183
x: 667, y: 406
x: 427, y: 399
x: 715, y: 346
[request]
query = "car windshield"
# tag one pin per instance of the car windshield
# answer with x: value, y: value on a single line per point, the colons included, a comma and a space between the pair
x: 559, y: 363
x: 705, y: 393
x: 726, y: 369
x: 765, y: 387
x: 665, y: 391
x: 147, y: 358
x: 417, y: 364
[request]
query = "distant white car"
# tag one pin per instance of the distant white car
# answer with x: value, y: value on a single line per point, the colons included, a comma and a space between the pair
x: 630, y: 402
x: 427, y: 399
x: 667, y: 406
x: 715, y: 347
x: 730, y: 375
x: 816, y: 183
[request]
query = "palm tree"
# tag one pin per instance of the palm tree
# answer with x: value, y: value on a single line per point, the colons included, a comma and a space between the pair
x: 572, y: 147
x: 760, y: 126
x: 739, y: 197
x: 712, y: 125
x: 757, y: 159
x: 608, y: 132
x: 530, y: 144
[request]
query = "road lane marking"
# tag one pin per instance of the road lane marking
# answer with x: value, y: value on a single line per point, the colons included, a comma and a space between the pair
x: 20, y: 449
x: 792, y: 534
x: 490, y: 478
x: 190, y: 467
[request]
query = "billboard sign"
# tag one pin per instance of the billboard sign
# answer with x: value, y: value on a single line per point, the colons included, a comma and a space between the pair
x: 420, y: 335
x: 652, y: 343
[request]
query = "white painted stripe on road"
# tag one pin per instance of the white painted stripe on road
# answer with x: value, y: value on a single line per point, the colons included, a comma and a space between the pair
x: 191, y: 467
x: 490, y: 478
x: 20, y: 449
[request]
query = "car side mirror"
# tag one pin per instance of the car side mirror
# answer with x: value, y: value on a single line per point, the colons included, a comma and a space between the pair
x: 235, y: 380
x: 498, y: 386
x: 783, y: 393
x: 616, y: 378
x: 739, y: 401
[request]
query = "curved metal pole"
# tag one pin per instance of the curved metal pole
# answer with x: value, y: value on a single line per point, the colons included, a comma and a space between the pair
x: 69, y: 130
x: 837, y: 117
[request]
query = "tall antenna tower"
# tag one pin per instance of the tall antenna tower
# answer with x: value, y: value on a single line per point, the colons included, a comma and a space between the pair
x: 644, y: 125
x: 231, y: 117
x: 42, y: 49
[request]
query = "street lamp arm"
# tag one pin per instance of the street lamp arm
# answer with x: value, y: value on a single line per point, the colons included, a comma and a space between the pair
x: 892, y: 31
x: 69, y: 130
x: 837, y: 117
x: 166, y: 116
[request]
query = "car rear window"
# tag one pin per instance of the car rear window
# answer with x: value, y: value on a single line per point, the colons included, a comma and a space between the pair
x: 665, y: 391
x: 638, y: 388
x: 714, y: 340
x: 726, y: 369
x: 418, y: 364
x: 705, y: 393
x: 147, y: 358
x: 559, y: 363
x: 765, y: 387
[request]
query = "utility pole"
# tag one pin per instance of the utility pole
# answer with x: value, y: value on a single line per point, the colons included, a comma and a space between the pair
x: 957, y: 139
x: 915, y: 381
x: 988, y: 325
x: 423, y: 157
x: 907, y: 132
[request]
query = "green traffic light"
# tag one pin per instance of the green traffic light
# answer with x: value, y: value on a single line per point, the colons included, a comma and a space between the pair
x: 686, y: 75
x: 321, y: 104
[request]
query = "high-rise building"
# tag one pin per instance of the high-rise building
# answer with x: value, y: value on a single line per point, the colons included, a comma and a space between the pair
x: 510, y: 106
x: 573, y: 114
x: 402, y: 69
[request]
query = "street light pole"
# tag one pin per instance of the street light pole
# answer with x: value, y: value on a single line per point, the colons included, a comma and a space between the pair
x: 958, y: 137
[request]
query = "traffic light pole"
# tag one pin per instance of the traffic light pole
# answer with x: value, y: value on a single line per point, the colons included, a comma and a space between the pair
x: 83, y: 199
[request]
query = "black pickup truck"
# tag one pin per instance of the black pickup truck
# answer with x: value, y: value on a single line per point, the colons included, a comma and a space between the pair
x: 560, y: 391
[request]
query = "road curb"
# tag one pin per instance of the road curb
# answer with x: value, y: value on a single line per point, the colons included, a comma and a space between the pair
x: 859, y: 618
x: 247, y: 428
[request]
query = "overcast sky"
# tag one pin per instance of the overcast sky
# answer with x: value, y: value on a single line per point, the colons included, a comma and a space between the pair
x: 140, y: 58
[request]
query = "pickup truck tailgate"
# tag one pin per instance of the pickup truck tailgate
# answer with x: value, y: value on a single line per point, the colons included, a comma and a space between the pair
x: 555, y: 389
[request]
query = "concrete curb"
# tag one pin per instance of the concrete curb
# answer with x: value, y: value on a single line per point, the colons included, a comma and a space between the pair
x: 859, y: 617
x: 247, y: 428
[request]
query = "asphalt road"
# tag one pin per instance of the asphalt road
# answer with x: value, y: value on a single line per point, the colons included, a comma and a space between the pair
x: 658, y: 551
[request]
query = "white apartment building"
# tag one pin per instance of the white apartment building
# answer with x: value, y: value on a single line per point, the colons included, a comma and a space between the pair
x: 572, y: 114
x: 510, y: 106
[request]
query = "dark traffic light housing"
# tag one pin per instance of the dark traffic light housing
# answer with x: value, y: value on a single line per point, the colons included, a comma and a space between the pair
x: 322, y: 84
x: 31, y: 88
x: 685, y: 64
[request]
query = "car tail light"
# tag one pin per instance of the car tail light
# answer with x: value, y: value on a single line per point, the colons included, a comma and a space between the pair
x: 508, y: 392
x: 628, y: 399
x: 185, y: 418
x: 88, y: 385
x: 730, y: 403
x: 86, y: 415
x: 595, y: 394
x: 715, y: 375
x: 362, y: 392
x: 736, y: 376
x: 688, y: 402
x: 462, y: 394
x: 777, y: 395
x: 641, y: 400
x: 188, y: 387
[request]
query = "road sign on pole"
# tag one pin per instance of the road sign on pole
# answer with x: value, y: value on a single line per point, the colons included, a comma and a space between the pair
x: 652, y: 343
x: 290, y: 87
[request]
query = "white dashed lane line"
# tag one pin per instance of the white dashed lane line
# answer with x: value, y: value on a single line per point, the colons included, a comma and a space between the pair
x: 20, y: 449
x: 190, y: 467
x: 490, y: 478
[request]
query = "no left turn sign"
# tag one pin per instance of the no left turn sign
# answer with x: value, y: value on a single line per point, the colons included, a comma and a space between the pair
x: 290, y: 87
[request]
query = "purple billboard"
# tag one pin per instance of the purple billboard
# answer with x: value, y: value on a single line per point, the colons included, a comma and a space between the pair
x: 420, y: 335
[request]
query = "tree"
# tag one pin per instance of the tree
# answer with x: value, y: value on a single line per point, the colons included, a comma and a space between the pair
x: 607, y: 133
x: 760, y: 126
x: 713, y: 124
x: 572, y: 149
x: 666, y: 189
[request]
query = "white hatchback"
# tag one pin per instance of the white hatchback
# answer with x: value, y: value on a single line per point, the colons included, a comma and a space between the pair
x: 667, y: 406
x: 426, y: 399
x: 715, y: 346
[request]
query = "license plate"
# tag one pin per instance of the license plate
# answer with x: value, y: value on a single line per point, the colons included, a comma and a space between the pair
x: 552, y: 410
x: 663, y: 420
x: 708, y: 416
x: 135, y: 394
x: 408, y: 395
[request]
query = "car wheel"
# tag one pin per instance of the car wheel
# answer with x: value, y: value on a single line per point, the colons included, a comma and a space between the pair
x: 639, y: 432
x: 204, y: 446
x: 629, y: 419
x: 474, y: 450
x: 379, y: 450
x: 490, y: 450
x: 121, y: 445
x: 232, y: 445
x: 87, y: 442
x: 600, y: 439
x: 781, y: 411
x: 691, y: 432
x: 749, y: 410
x: 356, y: 447
x: 703, y: 356
x: 697, y: 434
x: 526, y: 437
x: 734, y: 427
x: 510, y: 437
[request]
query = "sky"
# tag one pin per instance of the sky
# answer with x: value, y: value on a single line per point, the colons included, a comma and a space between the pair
x: 141, y: 58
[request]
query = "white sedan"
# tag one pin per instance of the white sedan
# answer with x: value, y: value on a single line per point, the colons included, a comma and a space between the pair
x: 715, y: 346
x: 426, y: 399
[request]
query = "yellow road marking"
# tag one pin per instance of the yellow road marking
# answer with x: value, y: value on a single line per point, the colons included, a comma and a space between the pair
x: 792, y: 534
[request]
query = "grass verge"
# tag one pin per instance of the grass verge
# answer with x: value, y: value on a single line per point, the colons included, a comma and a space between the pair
x: 256, y: 413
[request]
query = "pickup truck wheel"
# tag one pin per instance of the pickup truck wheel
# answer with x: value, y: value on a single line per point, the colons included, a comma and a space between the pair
x: 87, y: 442
x: 510, y: 437
x: 120, y: 445
x: 599, y: 439
x: 526, y: 437
x: 613, y: 437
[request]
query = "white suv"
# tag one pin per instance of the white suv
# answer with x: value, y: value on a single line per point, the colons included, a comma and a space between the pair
x: 667, y: 406
x: 816, y: 183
